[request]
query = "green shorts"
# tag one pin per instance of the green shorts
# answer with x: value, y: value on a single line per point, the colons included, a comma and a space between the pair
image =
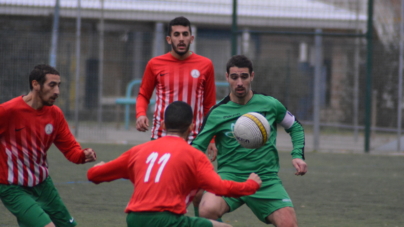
x: 270, y: 197
x: 36, y: 206
x: 165, y: 219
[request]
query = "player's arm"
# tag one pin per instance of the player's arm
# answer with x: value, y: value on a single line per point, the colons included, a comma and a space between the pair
x: 205, y: 135
x: 209, y: 98
x: 68, y: 145
x: 210, y: 181
x: 143, y: 98
x: 113, y: 170
x: 2, y: 122
x: 296, y: 132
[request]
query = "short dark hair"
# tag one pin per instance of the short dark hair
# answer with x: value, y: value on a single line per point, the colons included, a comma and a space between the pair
x: 183, y: 21
x: 239, y: 61
x: 39, y: 74
x: 178, y: 116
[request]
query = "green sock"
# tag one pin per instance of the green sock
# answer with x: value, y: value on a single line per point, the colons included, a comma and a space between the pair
x: 196, y: 211
x: 219, y: 220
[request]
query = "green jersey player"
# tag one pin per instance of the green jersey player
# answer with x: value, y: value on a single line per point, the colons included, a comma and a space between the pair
x: 271, y: 204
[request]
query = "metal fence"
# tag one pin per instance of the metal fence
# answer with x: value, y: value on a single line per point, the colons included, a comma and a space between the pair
x: 279, y: 36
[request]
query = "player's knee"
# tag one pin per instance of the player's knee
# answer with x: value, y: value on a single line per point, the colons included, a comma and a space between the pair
x: 207, y: 211
x: 50, y: 225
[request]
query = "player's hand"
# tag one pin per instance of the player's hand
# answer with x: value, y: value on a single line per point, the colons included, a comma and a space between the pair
x: 300, y: 166
x: 142, y: 123
x: 212, y: 152
x: 256, y: 178
x: 89, y: 155
x: 100, y: 163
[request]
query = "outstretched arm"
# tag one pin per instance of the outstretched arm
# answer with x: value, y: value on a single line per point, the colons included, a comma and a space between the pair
x: 209, y: 180
x: 113, y: 170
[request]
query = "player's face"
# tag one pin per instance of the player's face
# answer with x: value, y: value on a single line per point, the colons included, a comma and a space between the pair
x: 49, y: 91
x: 240, y: 83
x: 180, y: 39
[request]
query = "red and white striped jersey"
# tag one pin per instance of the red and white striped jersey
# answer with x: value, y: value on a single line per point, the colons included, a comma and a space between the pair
x: 191, y: 80
x: 25, y: 137
x: 166, y: 173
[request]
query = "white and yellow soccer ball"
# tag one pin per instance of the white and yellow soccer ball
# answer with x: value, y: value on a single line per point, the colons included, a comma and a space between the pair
x: 251, y: 130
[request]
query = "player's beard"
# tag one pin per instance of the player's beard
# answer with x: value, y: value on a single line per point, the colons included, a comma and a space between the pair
x: 47, y: 101
x: 180, y: 53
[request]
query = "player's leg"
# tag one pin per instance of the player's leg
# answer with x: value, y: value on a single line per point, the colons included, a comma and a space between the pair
x: 52, y: 204
x: 196, y: 201
x: 284, y: 217
x: 273, y: 206
x: 212, y: 206
x: 219, y: 224
x: 21, y: 203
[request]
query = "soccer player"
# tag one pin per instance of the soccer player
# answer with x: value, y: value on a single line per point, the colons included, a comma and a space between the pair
x: 177, y: 75
x: 166, y: 173
x: 29, y: 125
x: 271, y: 204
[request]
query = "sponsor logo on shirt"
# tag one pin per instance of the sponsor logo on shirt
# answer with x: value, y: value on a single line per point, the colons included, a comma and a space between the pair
x: 162, y: 74
x: 230, y: 133
x: 48, y: 129
x: 19, y: 129
x: 231, y: 116
x: 71, y: 220
x: 195, y: 73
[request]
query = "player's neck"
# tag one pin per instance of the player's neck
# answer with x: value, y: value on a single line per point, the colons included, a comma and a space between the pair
x: 178, y: 134
x: 32, y: 101
x: 241, y: 101
x: 180, y: 57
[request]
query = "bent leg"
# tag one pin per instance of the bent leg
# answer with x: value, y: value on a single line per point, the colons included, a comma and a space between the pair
x: 284, y: 217
x: 212, y: 206
x: 196, y: 201
x: 219, y: 224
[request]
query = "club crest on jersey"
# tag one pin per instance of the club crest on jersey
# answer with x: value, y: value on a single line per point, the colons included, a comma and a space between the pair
x: 195, y: 73
x: 48, y: 129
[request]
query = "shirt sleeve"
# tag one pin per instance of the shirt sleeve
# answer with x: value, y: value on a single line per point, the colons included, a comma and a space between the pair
x: 205, y: 136
x: 2, y: 122
x: 67, y: 144
x: 210, y: 90
x: 145, y: 91
x: 113, y: 170
x: 209, y: 180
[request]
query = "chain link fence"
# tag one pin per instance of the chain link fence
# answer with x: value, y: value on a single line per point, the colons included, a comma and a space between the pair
x: 277, y: 35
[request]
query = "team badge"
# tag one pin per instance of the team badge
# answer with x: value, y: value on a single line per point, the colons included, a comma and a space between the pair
x: 48, y: 129
x: 195, y: 73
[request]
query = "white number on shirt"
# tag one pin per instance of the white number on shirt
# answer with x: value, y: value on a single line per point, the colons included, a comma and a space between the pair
x: 151, y: 160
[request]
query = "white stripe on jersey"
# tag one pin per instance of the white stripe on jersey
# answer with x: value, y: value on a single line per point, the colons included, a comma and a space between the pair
x: 288, y: 120
x: 10, y: 165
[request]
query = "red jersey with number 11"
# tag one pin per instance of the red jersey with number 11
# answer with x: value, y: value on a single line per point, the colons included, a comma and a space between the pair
x: 166, y: 174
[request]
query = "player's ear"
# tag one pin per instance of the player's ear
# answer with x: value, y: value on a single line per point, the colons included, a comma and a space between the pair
x: 192, y: 38
x: 163, y: 125
x: 35, y: 85
x: 168, y: 39
x: 252, y: 76
x: 191, y: 126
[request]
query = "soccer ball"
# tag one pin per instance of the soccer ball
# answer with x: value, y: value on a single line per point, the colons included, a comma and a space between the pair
x: 251, y: 130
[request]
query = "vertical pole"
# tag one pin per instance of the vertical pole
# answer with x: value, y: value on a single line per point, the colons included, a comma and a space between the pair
x: 78, y: 35
x: 318, y: 43
x: 100, y: 65
x: 400, y: 79
x: 234, y: 29
x: 369, y: 62
x: 55, y: 31
x: 356, y: 76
